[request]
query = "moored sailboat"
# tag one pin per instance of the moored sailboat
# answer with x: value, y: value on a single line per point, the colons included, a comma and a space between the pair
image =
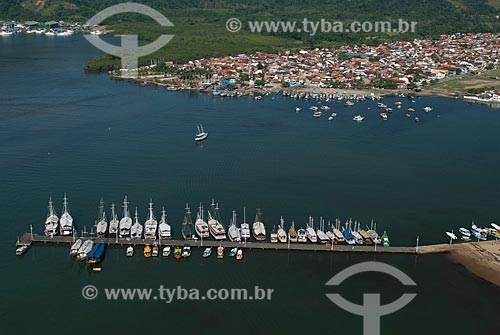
x: 245, y: 227
x: 216, y: 228
x: 102, y: 223
x: 151, y: 225
x: 282, y: 236
x: 258, y: 228
x: 292, y: 233
x: 126, y: 221
x: 200, y: 226
x: 52, y: 221
x: 113, y: 222
x: 66, y: 221
x: 136, y: 229
x: 164, y: 229
x: 233, y: 232
x: 187, y: 230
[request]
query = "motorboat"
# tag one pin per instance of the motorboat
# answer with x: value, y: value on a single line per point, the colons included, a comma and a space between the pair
x: 21, y: 250
x: 166, y: 251
x: 147, y: 251
x: 239, y: 255
x: 207, y: 252
x: 186, y: 251
x: 233, y: 252
x: 301, y: 235
x: 384, y: 116
x: 465, y: 232
x: 292, y: 233
x: 358, y: 118
x: 282, y: 236
x: 220, y: 252
x: 130, y: 251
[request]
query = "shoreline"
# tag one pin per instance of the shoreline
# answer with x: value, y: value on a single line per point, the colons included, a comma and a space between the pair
x: 481, y: 259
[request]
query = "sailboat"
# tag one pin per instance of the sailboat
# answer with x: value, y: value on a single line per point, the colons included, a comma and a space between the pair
x: 282, y: 237
x: 165, y: 231
x: 258, y: 228
x: 339, y: 237
x: 52, y: 221
x: 102, y: 223
x: 320, y: 232
x: 85, y: 249
x: 126, y: 221
x: 187, y: 225
x: 136, y: 229
x: 385, y: 240
x: 215, y: 227
x: 201, y: 135
x: 200, y: 226
x: 233, y: 232
x: 292, y: 233
x: 66, y: 221
x: 274, y: 235
x: 75, y: 247
x: 245, y: 227
x: 151, y: 225
x: 310, y: 232
x: 113, y: 223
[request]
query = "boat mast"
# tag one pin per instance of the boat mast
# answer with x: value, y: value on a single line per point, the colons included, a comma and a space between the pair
x: 65, y: 203
x: 113, y: 215
x: 51, y: 207
x: 125, y: 207
x: 151, y: 215
x: 163, y: 215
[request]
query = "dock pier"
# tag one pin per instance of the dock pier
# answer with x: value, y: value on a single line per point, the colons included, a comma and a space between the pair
x: 29, y: 239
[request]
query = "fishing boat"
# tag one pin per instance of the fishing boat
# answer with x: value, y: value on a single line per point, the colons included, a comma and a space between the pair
x: 358, y: 118
x: 384, y: 116
x: 301, y: 235
x: 126, y: 221
x: 147, y: 251
x: 186, y: 251
x: 239, y: 255
x: 177, y: 253
x: 166, y: 251
x: 187, y: 230
x: 66, y: 221
x: 97, y: 253
x: 233, y: 252
x: 385, y: 239
x: 274, y: 235
x: 427, y: 109
x: 102, y: 223
x: 52, y: 221
x: 292, y: 233
x: 21, y: 250
x: 85, y: 249
x: 151, y: 225
x: 200, y: 226
x: 73, y: 251
x: 164, y: 229
x: 136, y: 229
x: 220, y: 252
x: 215, y: 228
x: 201, y: 135
x: 130, y: 251
x: 282, y: 236
x: 465, y: 232
x: 258, y: 228
x: 233, y: 232
x: 155, y: 250
x: 207, y: 252
x: 113, y: 223
x: 317, y: 114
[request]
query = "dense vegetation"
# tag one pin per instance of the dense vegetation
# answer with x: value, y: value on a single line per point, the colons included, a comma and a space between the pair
x: 200, y: 24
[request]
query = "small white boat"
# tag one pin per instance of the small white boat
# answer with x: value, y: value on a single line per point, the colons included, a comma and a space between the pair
x: 465, y: 238
x: 358, y: 118
x: 313, y: 108
x: 317, y: 114
x: 239, y: 255
x: 451, y: 235
x: 130, y: 251
x: 325, y: 108
x: 259, y: 97
x: 220, y: 252
x: 417, y: 119
x: 333, y: 116
x: 21, y: 250
x: 207, y: 252
x: 465, y: 232
x: 166, y: 251
x: 384, y: 116
x: 494, y: 225
x: 427, y: 109
x: 75, y: 247
x: 297, y: 109
x: 201, y: 135
x: 85, y: 249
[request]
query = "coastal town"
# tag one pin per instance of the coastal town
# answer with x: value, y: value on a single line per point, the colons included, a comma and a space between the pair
x: 399, y: 65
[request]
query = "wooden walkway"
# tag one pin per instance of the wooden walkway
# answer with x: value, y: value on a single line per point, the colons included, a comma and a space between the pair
x: 28, y: 239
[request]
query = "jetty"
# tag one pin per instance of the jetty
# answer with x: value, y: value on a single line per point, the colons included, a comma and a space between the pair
x: 29, y: 239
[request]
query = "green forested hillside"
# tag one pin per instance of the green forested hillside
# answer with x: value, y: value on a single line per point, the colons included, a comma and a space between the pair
x: 200, y: 24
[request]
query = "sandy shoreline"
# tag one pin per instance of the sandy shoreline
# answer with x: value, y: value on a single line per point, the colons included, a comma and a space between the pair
x: 481, y: 259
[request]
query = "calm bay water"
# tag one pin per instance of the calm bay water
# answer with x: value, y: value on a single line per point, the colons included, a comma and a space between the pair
x: 63, y: 131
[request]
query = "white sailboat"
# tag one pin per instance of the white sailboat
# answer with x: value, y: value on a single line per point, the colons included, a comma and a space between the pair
x: 245, y: 227
x: 113, y: 223
x: 85, y: 249
x: 320, y: 232
x: 233, y: 231
x: 165, y: 231
x: 200, y: 226
x: 75, y: 247
x: 151, y: 225
x: 258, y: 228
x: 136, y: 229
x: 282, y: 236
x: 52, y: 221
x: 201, y: 135
x: 102, y: 223
x: 310, y: 232
x: 126, y: 221
x: 215, y: 227
x: 66, y: 221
